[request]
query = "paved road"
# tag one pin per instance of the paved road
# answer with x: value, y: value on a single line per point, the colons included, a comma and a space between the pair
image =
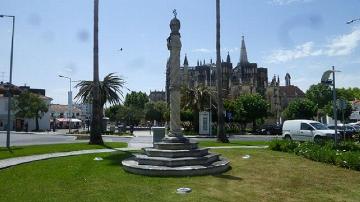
x: 17, y: 139
x: 140, y: 139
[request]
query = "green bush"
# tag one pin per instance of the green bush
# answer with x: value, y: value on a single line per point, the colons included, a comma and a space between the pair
x: 283, y: 145
x: 345, y: 154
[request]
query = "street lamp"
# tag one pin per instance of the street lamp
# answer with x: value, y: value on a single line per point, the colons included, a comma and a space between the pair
x: 10, y: 80
x: 210, y: 107
x: 325, y: 79
x: 69, y: 101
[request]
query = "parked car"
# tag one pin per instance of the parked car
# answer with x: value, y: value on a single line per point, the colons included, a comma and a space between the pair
x: 270, y: 129
x: 306, y: 130
x: 356, y: 126
x: 346, y: 131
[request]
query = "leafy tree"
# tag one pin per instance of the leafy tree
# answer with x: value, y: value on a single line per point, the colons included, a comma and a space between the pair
x: 236, y: 108
x: 129, y: 115
x: 29, y: 105
x: 110, y: 90
x: 250, y: 107
x: 136, y: 99
x: 347, y: 111
x: 112, y: 111
x: 319, y: 94
x: 187, y: 115
x: 348, y: 93
x: 155, y: 111
x: 196, y: 99
x: 301, y: 109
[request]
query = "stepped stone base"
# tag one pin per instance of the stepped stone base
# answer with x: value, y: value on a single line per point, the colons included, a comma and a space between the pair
x: 176, y: 159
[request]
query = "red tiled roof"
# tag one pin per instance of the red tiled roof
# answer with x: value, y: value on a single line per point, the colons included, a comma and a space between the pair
x: 291, y: 91
x: 62, y: 108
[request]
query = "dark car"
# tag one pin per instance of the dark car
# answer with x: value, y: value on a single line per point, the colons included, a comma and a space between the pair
x: 270, y: 129
x: 347, y: 132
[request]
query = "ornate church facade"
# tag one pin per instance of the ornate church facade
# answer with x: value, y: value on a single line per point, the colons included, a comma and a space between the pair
x: 245, y: 77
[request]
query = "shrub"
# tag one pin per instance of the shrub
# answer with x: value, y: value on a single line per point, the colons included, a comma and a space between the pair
x: 345, y: 154
x: 283, y: 145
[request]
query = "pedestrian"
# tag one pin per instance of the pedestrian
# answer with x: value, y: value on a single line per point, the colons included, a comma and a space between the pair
x: 26, y: 127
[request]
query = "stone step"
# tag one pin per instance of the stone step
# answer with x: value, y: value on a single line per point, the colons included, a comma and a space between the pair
x: 176, y: 153
x: 132, y: 165
x: 175, y: 162
x: 176, y: 146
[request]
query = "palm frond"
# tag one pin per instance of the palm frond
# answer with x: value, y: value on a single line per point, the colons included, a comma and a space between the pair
x: 110, y: 89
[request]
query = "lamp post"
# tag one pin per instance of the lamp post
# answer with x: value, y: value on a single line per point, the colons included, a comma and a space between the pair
x: 325, y: 79
x: 69, y: 101
x: 10, y: 79
x: 210, y: 107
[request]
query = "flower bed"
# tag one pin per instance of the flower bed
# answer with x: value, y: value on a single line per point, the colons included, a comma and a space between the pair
x: 345, y: 154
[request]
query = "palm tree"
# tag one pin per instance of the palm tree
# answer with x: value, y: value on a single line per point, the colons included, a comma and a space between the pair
x: 109, y: 90
x: 221, y: 136
x: 96, y: 122
x: 196, y: 99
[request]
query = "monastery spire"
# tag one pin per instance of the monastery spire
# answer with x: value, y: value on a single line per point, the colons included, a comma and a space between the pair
x: 186, y: 61
x: 228, y: 58
x: 243, y: 53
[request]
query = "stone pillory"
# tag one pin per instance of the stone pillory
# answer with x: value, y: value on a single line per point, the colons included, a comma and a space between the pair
x: 175, y: 155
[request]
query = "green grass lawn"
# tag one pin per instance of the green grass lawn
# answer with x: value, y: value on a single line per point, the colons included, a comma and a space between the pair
x: 232, y: 143
x: 266, y: 176
x: 17, y: 151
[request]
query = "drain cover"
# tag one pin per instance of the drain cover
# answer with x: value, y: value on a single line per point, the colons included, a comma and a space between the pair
x: 183, y: 190
x: 98, y: 159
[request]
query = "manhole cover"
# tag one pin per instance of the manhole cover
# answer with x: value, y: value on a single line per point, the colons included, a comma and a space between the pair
x: 183, y: 190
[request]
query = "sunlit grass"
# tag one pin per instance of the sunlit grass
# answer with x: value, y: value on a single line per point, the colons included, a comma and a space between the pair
x: 265, y: 176
x: 17, y: 151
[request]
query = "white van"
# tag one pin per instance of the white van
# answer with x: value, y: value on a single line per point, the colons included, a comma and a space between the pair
x: 306, y: 130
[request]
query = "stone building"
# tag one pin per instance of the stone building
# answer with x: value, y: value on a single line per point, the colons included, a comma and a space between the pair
x: 279, y: 96
x: 156, y: 96
x: 246, y: 77
x: 18, y: 123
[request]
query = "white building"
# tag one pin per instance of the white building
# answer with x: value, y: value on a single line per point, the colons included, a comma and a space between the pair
x: 21, y: 124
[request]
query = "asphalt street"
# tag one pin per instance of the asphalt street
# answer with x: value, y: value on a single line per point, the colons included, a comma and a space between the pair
x: 140, y: 139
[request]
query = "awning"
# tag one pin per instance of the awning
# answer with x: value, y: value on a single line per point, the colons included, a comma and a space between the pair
x: 67, y: 120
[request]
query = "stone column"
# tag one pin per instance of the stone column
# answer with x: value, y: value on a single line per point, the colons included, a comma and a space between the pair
x: 174, y: 46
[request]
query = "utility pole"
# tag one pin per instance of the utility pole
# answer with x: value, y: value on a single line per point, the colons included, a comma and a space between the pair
x: 10, y: 80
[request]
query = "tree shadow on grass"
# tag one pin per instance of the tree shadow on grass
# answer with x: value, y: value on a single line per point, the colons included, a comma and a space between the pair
x: 11, y: 149
x: 116, y: 157
x: 228, y: 177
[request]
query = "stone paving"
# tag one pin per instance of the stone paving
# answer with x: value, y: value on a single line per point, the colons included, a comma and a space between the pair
x: 26, y: 159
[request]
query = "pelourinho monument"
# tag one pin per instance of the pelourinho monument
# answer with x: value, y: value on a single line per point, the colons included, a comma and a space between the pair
x: 175, y: 155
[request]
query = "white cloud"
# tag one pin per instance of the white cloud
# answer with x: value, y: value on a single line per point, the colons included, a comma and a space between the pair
x: 338, y: 46
x: 205, y: 50
x: 202, y: 50
x: 301, y: 51
x: 286, y: 2
x: 344, y: 44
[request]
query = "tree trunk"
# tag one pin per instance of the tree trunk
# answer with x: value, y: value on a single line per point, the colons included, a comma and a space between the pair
x: 37, y: 123
x: 96, y: 123
x: 196, y: 120
x: 221, y: 135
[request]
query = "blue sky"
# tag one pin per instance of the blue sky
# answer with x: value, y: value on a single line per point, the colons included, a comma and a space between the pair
x: 302, y: 37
